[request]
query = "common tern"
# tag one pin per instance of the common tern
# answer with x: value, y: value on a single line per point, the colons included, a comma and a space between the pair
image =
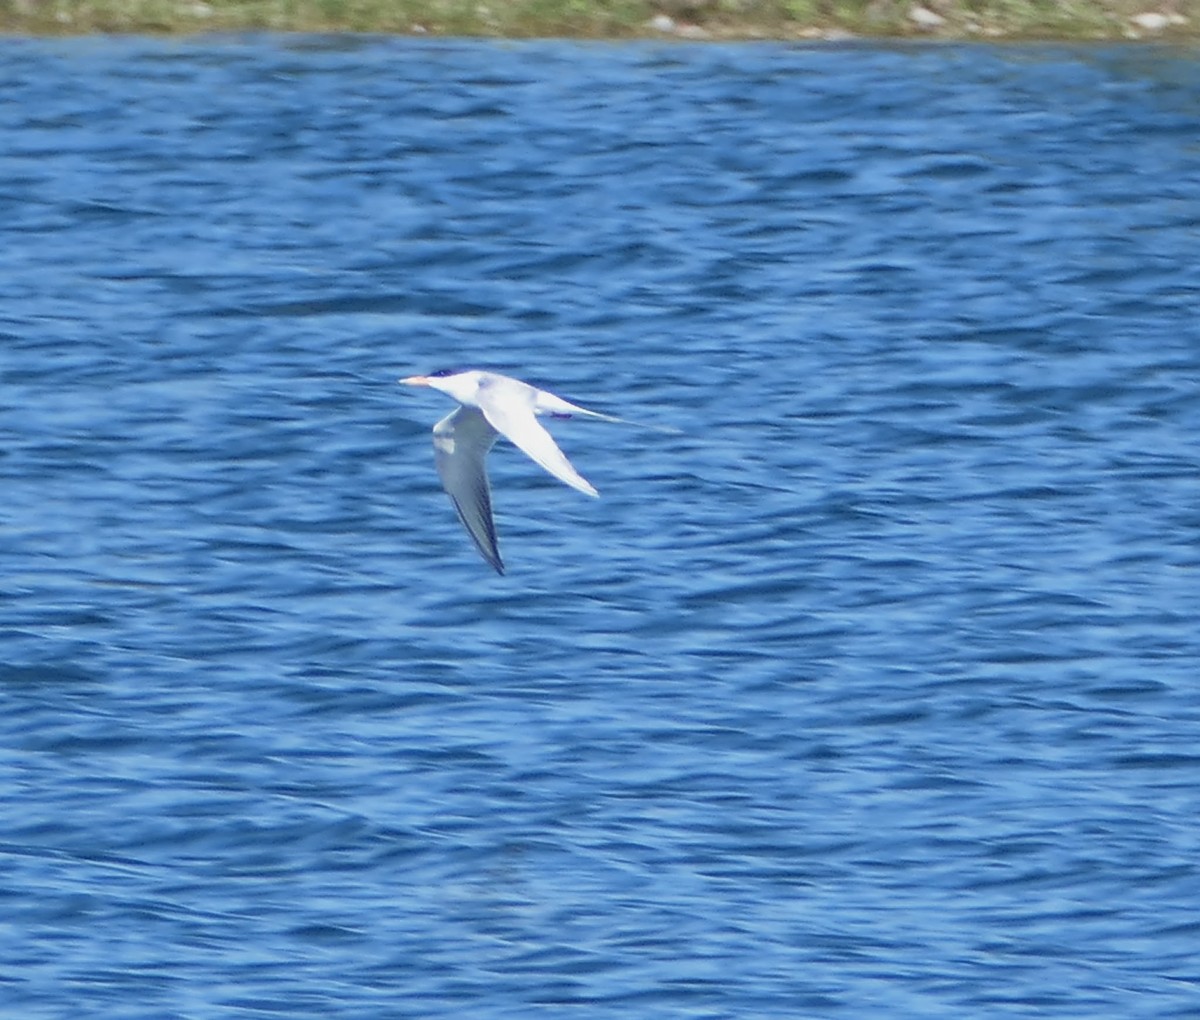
x: 495, y: 405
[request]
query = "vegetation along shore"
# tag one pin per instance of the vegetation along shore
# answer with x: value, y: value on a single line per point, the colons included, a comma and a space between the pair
x: 679, y: 19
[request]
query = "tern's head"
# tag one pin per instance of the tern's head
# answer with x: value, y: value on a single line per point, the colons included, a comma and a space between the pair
x: 459, y: 383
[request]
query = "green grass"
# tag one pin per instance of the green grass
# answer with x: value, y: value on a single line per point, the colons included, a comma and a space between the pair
x: 716, y: 19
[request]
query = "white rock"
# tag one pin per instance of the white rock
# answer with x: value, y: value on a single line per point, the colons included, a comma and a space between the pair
x: 1151, y: 21
x: 662, y: 23
x: 924, y: 18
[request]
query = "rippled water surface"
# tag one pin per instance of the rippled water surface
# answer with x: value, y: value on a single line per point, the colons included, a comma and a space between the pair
x: 872, y: 692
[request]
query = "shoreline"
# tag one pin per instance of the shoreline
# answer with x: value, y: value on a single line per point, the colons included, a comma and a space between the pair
x: 684, y: 20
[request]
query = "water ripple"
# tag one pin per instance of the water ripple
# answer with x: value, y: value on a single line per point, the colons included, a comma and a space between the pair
x: 870, y: 693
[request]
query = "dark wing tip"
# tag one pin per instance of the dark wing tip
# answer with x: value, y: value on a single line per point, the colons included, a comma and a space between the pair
x: 493, y: 557
x: 488, y: 545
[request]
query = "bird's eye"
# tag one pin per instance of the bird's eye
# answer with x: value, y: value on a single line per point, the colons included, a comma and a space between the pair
x: 441, y: 373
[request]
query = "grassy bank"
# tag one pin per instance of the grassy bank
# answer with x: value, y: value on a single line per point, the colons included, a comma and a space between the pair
x: 685, y: 19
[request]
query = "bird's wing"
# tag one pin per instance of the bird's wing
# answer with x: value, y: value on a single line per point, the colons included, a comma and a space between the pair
x: 461, y: 442
x: 518, y: 424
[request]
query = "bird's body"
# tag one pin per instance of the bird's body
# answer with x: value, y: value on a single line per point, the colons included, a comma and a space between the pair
x: 495, y: 405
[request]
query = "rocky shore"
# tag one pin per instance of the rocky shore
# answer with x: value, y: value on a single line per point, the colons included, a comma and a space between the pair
x: 697, y: 20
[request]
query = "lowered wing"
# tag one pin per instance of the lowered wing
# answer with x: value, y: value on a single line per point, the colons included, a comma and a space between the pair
x: 461, y: 442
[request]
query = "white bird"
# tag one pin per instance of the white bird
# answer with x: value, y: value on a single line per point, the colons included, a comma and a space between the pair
x: 495, y: 405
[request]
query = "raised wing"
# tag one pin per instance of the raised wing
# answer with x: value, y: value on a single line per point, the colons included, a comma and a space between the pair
x: 520, y: 426
x: 461, y: 442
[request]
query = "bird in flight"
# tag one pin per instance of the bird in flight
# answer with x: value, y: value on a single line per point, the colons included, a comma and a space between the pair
x: 495, y: 405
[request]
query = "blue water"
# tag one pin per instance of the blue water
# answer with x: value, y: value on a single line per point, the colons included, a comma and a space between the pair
x: 875, y: 691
